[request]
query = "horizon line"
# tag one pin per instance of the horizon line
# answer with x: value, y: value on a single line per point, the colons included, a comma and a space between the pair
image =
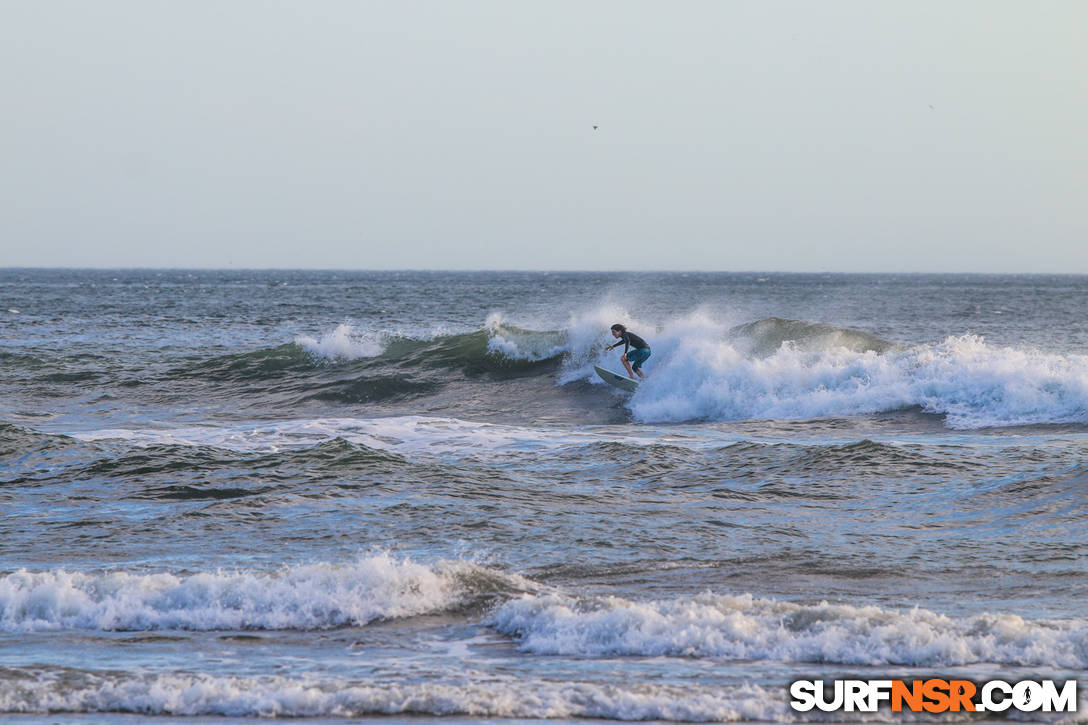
x: 417, y: 270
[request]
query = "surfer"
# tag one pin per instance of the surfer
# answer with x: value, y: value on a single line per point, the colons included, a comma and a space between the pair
x: 635, y: 350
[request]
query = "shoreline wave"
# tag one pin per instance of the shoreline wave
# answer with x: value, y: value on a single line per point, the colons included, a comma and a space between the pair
x: 50, y: 690
x: 539, y: 619
x: 745, y: 627
x: 307, y: 597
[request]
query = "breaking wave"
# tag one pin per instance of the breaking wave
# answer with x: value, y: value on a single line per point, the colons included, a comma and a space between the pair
x: 745, y: 627
x: 52, y: 690
x: 971, y: 383
x: 315, y: 596
x: 380, y: 587
x: 497, y: 348
x: 344, y: 342
x: 701, y: 370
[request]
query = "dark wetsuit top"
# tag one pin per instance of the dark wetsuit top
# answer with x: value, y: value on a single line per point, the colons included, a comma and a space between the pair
x: 629, y: 340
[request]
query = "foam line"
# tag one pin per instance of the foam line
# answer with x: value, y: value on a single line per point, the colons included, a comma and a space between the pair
x: 493, y: 696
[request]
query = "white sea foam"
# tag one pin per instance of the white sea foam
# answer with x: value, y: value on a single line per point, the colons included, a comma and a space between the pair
x: 699, y: 372
x: 404, y: 435
x: 344, y: 342
x: 304, y: 597
x: 588, y: 334
x: 487, y: 695
x: 745, y: 627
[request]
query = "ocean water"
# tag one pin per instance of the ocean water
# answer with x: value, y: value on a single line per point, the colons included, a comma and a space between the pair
x: 406, y: 496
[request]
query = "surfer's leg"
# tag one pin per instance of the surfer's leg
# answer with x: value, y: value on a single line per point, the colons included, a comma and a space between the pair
x: 626, y: 364
x: 640, y: 357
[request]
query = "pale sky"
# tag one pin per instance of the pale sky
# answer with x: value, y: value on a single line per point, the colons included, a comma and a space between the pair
x: 784, y: 136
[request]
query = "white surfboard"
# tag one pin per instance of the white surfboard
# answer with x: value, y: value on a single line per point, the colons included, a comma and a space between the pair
x: 620, y: 381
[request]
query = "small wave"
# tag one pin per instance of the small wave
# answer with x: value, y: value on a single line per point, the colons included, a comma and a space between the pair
x: 350, y: 365
x: 499, y: 351
x: 52, y: 690
x: 765, y: 337
x: 156, y: 459
x: 496, y: 347
x: 316, y: 596
x: 374, y: 389
x: 82, y: 376
x: 344, y: 342
x: 865, y: 458
x: 28, y: 458
x: 515, y: 343
x: 19, y: 442
x: 255, y: 365
x: 17, y: 360
x: 401, y: 435
x: 746, y: 627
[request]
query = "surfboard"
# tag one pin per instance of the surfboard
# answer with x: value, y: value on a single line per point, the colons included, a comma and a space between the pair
x: 620, y: 381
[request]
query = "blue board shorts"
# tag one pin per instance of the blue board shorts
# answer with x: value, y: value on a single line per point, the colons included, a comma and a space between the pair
x: 638, y: 356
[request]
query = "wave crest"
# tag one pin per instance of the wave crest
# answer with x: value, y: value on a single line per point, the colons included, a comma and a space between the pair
x: 765, y: 337
x: 344, y: 342
x: 316, y: 596
x: 745, y: 627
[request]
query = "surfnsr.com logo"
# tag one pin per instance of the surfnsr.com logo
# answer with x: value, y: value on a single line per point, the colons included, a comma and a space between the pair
x: 933, y: 695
